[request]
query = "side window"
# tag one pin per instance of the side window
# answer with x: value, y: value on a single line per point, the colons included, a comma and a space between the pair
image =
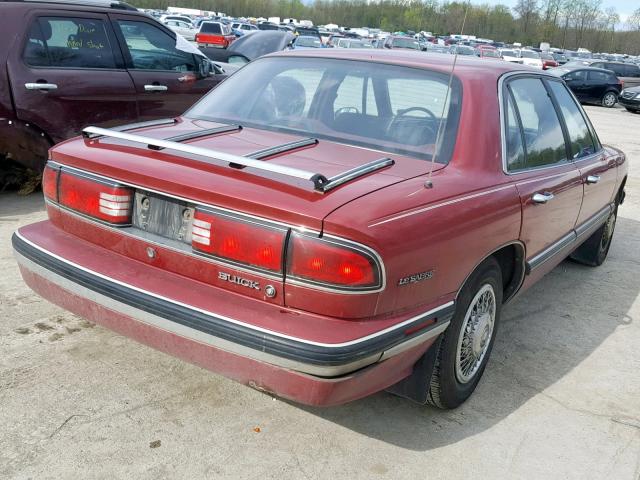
x: 351, y: 93
x: 543, y: 136
x: 35, y: 50
x: 618, y: 69
x: 515, y: 149
x: 153, y: 49
x: 582, y: 143
x: 632, y: 71
x: 578, y: 75
x: 598, y: 65
x: 598, y: 77
x: 68, y: 43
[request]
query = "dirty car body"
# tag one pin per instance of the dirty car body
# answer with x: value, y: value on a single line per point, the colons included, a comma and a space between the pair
x: 328, y: 224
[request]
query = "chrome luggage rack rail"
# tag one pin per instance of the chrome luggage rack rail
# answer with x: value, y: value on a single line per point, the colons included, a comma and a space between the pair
x: 320, y: 182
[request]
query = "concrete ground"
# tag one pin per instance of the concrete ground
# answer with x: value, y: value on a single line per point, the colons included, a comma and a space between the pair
x: 560, y: 397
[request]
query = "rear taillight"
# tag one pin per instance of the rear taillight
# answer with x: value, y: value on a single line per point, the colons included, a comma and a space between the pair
x: 50, y: 183
x: 237, y: 240
x: 323, y: 261
x: 95, y: 198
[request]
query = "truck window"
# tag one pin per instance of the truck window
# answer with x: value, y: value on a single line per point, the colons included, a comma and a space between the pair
x: 543, y: 136
x: 68, y: 43
x: 153, y: 49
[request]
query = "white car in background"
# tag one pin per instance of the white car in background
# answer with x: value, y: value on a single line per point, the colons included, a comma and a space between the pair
x: 183, y: 18
x: 187, y: 30
x: 531, y: 58
x: 509, y: 55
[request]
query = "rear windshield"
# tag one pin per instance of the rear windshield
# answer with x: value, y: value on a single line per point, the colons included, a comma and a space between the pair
x: 385, y: 107
x: 208, y: 27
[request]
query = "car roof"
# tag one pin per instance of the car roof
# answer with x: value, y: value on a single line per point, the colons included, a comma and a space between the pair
x: 464, y: 67
x: 591, y: 69
x: 111, y: 4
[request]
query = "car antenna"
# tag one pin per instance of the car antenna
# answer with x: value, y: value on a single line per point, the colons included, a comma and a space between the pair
x: 429, y: 183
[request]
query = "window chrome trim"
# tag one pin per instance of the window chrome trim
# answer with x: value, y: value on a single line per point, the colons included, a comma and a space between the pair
x: 503, y: 127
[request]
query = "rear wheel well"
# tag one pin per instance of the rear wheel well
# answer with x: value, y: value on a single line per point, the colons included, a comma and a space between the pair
x: 511, y: 261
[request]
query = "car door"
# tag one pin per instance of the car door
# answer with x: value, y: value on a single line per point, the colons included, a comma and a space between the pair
x: 597, y: 170
x: 164, y: 68
x: 68, y: 73
x: 548, y: 183
x: 597, y: 84
x: 577, y: 81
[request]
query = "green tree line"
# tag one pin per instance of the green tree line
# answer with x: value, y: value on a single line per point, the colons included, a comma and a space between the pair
x: 563, y: 23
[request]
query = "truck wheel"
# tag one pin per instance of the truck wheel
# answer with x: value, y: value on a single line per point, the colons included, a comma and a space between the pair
x: 609, y: 99
x: 594, y: 251
x: 467, y: 343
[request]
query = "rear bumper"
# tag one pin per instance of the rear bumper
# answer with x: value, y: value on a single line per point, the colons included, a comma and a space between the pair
x: 303, y: 370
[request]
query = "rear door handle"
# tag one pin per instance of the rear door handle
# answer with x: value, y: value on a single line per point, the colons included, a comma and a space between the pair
x: 542, y: 197
x: 40, y: 86
x: 593, y: 179
x: 155, y: 88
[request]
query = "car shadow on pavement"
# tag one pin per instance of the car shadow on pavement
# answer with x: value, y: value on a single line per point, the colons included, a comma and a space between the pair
x: 544, y: 334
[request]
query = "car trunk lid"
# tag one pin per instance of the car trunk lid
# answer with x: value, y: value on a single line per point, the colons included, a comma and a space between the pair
x: 247, y: 190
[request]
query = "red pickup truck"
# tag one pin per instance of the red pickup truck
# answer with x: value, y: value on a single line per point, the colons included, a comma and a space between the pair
x: 328, y: 224
x: 214, y: 34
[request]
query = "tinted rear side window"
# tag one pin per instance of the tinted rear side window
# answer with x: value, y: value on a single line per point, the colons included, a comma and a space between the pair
x: 599, y: 77
x: 582, y: 143
x: 515, y: 148
x: 632, y: 71
x: 541, y: 127
x: 69, y: 42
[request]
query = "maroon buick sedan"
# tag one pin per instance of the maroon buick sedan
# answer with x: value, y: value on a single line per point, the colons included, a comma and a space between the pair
x: 329, y: 224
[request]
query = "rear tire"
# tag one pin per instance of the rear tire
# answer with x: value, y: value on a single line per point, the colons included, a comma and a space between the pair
x: 609, y: 100
x: 594, y: 251
x: 467, y: 343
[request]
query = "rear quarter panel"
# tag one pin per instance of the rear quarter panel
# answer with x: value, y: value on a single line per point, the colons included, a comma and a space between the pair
x: 472, y: 210
x: 447, y: 230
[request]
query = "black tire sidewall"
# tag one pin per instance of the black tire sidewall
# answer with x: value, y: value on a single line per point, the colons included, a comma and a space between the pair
x: 452, y: 392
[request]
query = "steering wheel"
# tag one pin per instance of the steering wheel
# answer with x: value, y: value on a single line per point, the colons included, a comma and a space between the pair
x: 428, y: 122
x: 406, y: 111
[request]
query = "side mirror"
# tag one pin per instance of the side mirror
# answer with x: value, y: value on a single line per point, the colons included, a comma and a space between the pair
x: 205, y: 68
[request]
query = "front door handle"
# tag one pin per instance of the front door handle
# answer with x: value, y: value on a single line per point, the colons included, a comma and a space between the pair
x: 40, y: 86
x: 542, y: 197
x: 593, y: 179
x: 155, y: 88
